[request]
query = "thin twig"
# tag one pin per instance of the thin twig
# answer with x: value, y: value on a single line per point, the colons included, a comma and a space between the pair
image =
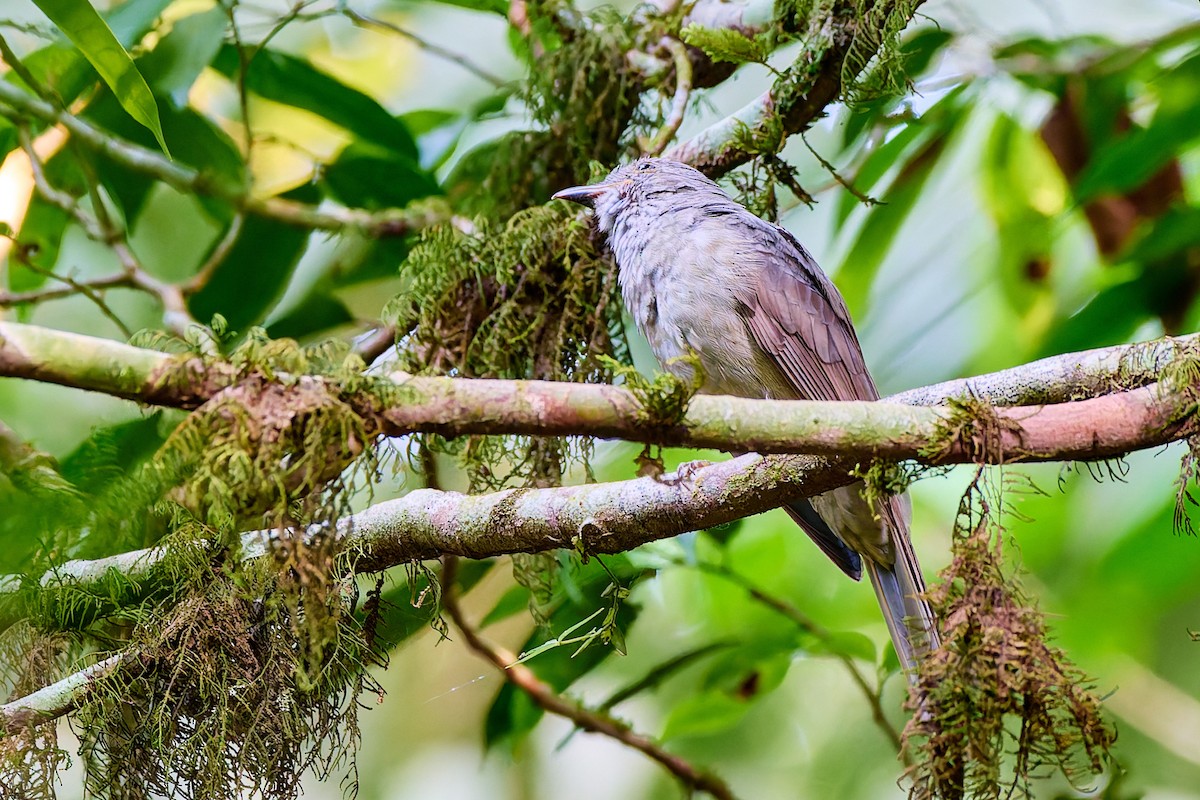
x: 72, y: 288
x: 216, y: 257
x: 243, y: 69
x: 17, y: 104
x: 683, y: 91
x: 364, y: 21
x: 847, y: 185
x: 9, y: 57
x: 101, y: 227
x: 87, y: 290
x: 523, y: 678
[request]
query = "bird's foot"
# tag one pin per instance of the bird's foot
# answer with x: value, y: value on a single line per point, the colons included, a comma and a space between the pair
x: 685, y: 472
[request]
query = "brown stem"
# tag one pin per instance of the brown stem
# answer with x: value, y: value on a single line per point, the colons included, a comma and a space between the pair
x: 523, y: 678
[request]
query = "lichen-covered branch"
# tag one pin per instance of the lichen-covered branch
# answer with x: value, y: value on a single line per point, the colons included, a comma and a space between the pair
x: 55, y: 700
x: 615, y: 517
x: 892, y: 429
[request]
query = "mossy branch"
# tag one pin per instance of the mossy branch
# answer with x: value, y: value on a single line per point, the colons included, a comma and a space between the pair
x: 799, y: 97
x: 1111, y: 424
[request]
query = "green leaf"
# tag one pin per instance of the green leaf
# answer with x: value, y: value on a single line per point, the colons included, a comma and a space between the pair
x: 317, y: 313
x: 63, y: 69
x: 1025, y: 193
x: 85, y: 27
x: 257, y: 269
x: 39, y: 240
x: 174, y: 64
x: 704, y: 715
x: 495, y: 6
x: 842, y: 643
x: 874, y: 240
x: 509, y: 720
x: 514, y: 601
x: 289, y: 80
x: 367, y: 177
x: 133, y: 19
x: 727, y: 44
x: 1109, y: 318
x: 912, y: 136
x: 197, y: 142
x: 1131, y: 159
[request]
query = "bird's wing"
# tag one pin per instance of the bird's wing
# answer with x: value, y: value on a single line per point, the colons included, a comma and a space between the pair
x: 796, y: 314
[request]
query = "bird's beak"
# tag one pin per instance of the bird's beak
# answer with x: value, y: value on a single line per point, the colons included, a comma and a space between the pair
x: 584, y: 195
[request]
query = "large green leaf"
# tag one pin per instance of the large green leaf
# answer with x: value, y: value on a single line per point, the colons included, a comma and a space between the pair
x: 874, y: 240
x: 317, y: 313
x: 911, y: 137
x: 1109, y: 318
x: 195, y: 140
x: 367, y: 177
x: 63, y: 69
x: 294, y: 82
x: 88, y: 30
x: 704, y: 715
x: 39, y: 240
x: 256, y: 270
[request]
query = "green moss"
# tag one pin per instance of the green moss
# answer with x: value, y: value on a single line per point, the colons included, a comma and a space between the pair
x: 996, y: 704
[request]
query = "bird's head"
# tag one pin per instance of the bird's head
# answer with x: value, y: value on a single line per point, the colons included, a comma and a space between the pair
x: 646, y: 184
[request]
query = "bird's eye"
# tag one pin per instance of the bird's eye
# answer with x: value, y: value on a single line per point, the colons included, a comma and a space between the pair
x: 644, y: 166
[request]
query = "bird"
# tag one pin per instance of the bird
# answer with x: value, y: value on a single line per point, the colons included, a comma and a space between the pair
x: 702, y: 276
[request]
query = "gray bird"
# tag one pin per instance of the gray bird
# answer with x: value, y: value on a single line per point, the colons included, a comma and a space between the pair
x: 701, y: 274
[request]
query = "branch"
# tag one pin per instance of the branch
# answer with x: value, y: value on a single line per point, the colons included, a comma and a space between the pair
x: 683, y: 91
x: 100, y: 227
x: 544, y: 696
x: 619, y: 516
x: 792, y: 104
x: 55, y: 700
x: 388, y: 222
x: 365, y: 21
x: 893, y: 429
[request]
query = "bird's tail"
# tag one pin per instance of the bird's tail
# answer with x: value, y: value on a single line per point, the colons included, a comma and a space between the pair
x: 900, y: 590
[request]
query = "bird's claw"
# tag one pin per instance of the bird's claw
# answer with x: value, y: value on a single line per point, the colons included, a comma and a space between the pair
x: 684, y: 472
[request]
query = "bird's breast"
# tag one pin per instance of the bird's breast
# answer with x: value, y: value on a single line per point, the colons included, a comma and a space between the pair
x: 680, y: 288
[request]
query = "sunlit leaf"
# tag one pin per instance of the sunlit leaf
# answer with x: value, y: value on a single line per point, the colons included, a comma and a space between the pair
x: 292, y: 81
x: 87, y: 29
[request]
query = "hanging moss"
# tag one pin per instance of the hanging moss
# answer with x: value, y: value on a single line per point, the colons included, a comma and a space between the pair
x: 996, y: 705
x: 530, y: 298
